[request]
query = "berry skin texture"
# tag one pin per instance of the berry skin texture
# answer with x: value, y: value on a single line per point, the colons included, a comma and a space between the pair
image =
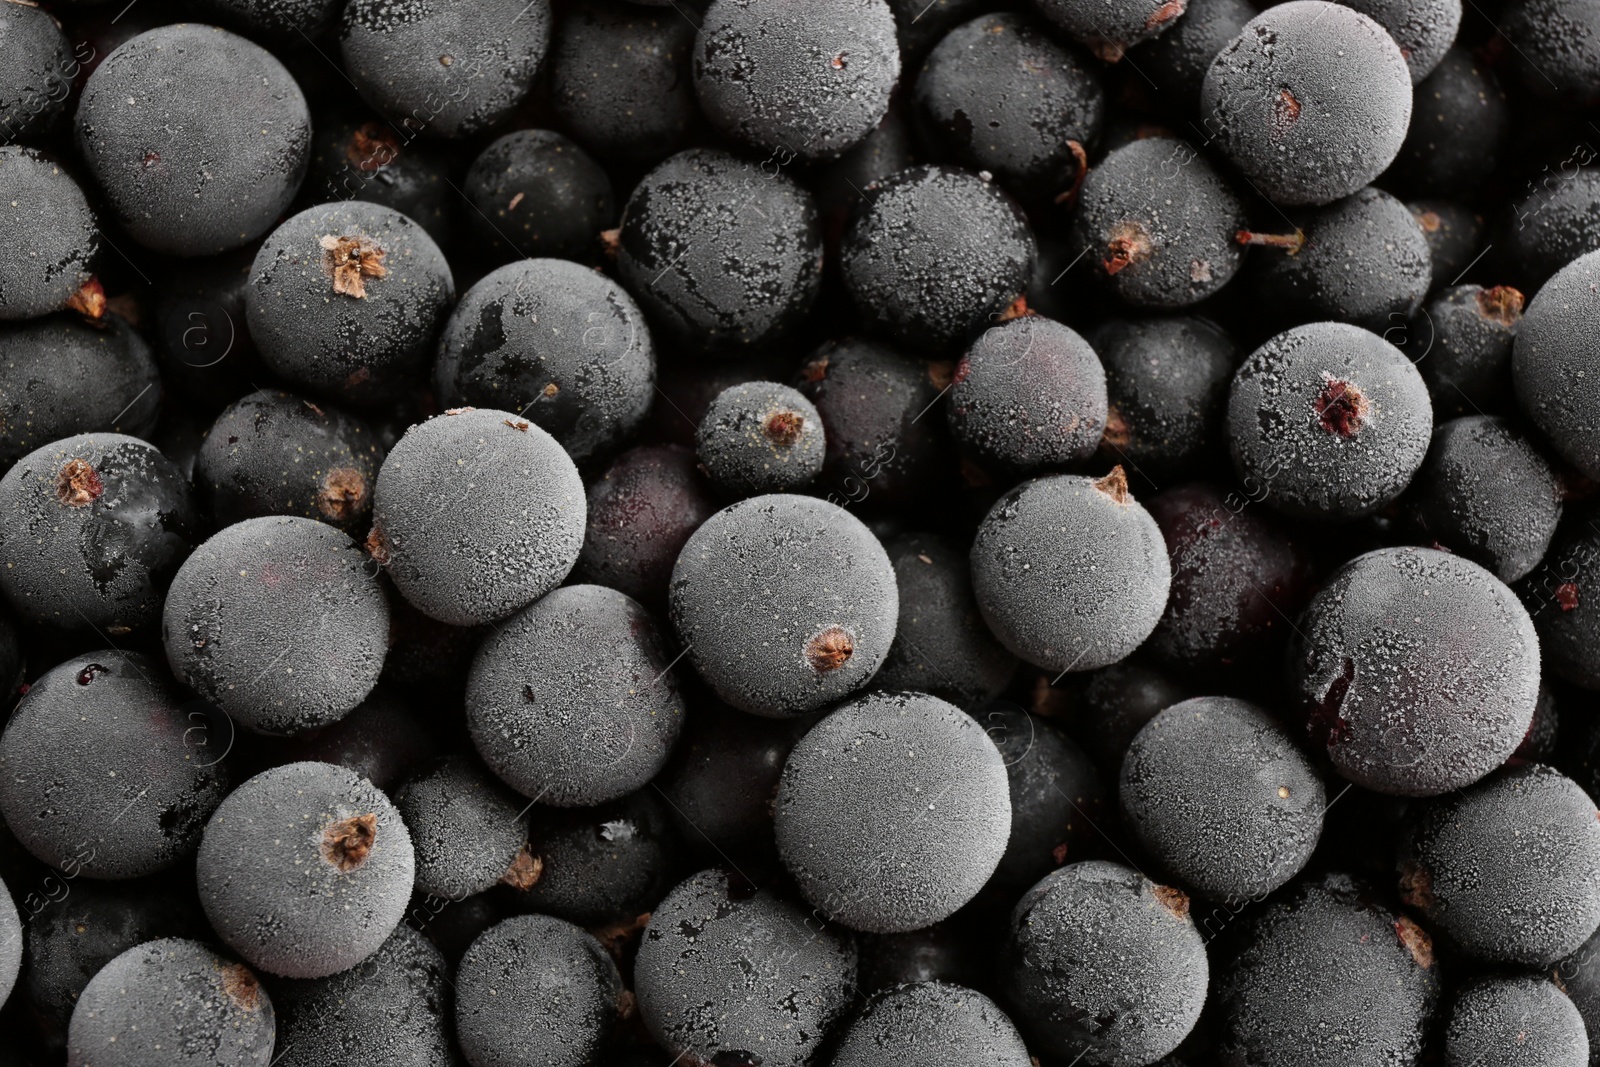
x: 1557, y: 45
x: 892, y: 812
x: 187, y: 100
x: 797, y: 78
x: 1001, y: 96
x: 274, y: 453
x: 641, y: 512
x: 1217, y: 792
x: 1028, y: 395
x: 1509, y: 870
x: 533, y: 989
x: 305, y: 870
x: 1057, y: 797
x: 1364, y: 260
x: 619, y: 80
x: 1515, y: 1021
x: 37, y: 81
x: 730, y: 973
x: 1310, y: 102
x: 1459, y: 124
x: 941, y: 645
x: 46, y: 222
x: 103, y: 772
x: 563, y: 346
x: 930, y: 1024
x: 444, y: 70
x: 933, y: 253
x: 600, y: 865
x: 1418, y: 671
x: 573, y: 702
x: 60, y: 377
x: 1158, y: 224
x: 1238, y: 578
x: 389, y: 1012
x: 1556, y: 222
x: 1424, y: 29
x: 1486, y: 493
x: 1326, y: 977
x: 1166, y: 380
x: 1464, y: 339
x: 345, y: 271
x: 92, y: 530
x: 882, y: 454
x: 537, y: 194
x: 477, y: 514
x: 1564, y: 601
x: 279, y: 622
x: 785, y: 603
x: 1327, y: 421
x: 760, y: 437
x: 722, y: 255
x: 466, y: 828
x: 1110, y: 27
x: 1070, y: 572
x: 174, y: 1002
x: 1554, y: 366
x: 1455, y: 234
x: 1100, y: 958
x: 1177, y: 60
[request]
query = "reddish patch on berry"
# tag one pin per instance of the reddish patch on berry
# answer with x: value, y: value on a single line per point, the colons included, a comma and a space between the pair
x: 151, y: 158
x: 783, y: 428
x: 816, y: 370
x: 1081, y: 157
x: 1115, y: 486
x: 1059, y: 853
x: 942, y: 374
x: 830, y: 649
x: 347, y: 843
x: 91, y: 672
x: 1285, y: 112
x: 519, y: 425
x: 350, y: 261
x: 1174, y: 900
x: 1165, y: 13
x: 1017, y: 309
x: 1117, y: 432
x: 240, y: 986
x: 78, y: 485
x: 1416, y: 886
x: 1416, y: 941
x: 372, y: 147
x: 1430, y: 220
x: 378, y: 546
x: 1341, y: 408
x: 1501, y: 304
x: 611, y: 242
x: 525, y: 871
x: 1567, y: 596
x: 343, y: 492
x: 1129, y: 244
x: 838, y: 62
x: 1291, y: 243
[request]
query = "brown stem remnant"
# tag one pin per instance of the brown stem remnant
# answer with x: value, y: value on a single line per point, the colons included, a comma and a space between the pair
x: 1416, y: 886
x: 350, y: 261
x: 1416, y: 940
x: 1174, y: 900
x: 611, y: 242
x: 1129, y: 244
x: 1501, y: 304
x: 1567, y: 596
x: 378, y: 546
x: 343, y: 492
x: 240, y: 986
x: 347, y: 843
x: 1291, y: 243
x: 78, y: 484
x: 830, y: 649
x: 1115, y: 486
x: 524, y: 872
x: 90, y: 298
x: 1017, y: 309
x: 372, y: 147
x: 1341, y: 408
x: 1285, y: 112
x: 783, y: 428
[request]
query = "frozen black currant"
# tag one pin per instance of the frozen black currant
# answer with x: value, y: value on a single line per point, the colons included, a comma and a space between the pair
x: 466, y: 828
x: 1417, y: 671
x: 573, y: 701
x: 760, y: 437
x: 785, y: 603
x: 49, y: 227
x: 305, y: 870
x: 537, y: 194
x: 563, y: 346
x: 1071, y: 572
